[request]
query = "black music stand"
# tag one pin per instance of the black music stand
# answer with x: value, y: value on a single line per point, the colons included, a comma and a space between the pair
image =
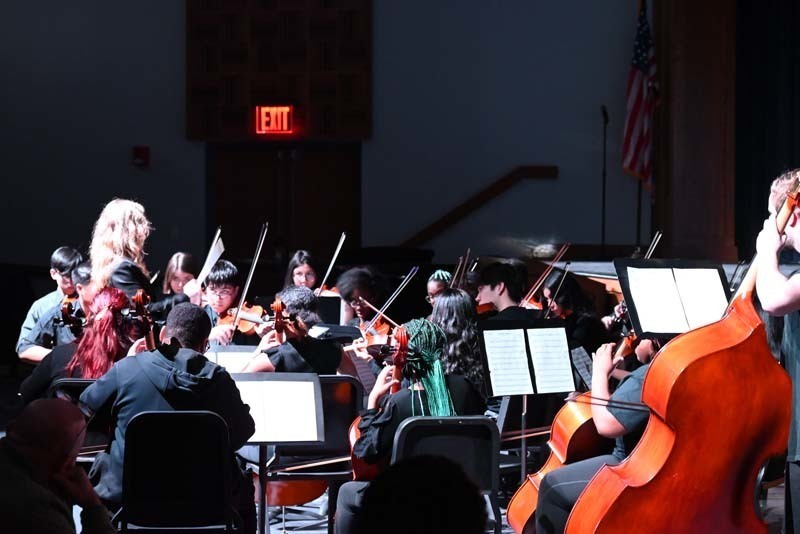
x: 667, y: 297
x: 287, y: 410
x: 525, y: 358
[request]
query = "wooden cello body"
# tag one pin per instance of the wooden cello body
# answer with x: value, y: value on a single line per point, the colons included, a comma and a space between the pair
x: 573, y: 437
x: 720, y: 408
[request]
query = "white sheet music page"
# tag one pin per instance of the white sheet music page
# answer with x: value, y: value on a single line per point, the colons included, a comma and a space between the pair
x: 282, y: 411
x: 508, y: 362
x: 233, y: 362
x: 703, y: 295
x: 550, y: 357
x: 214, y: 254
x: 657, y: 300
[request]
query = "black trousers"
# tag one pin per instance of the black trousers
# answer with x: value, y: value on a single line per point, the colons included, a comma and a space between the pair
x: 560, y: 489
x: 347, y: 506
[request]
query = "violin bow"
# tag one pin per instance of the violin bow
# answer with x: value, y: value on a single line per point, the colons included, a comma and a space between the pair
x: 463, y: 272
x: 653, y: 244
x: 333, y: 261
x: 391, y: 299
x: 456, y: 272
x: 261, y: 236
x: 561, y: 283
x: 539, y: 281
x: 376, y: 310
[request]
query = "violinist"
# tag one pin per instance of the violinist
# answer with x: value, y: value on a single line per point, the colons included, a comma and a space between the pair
x: 427, y: 395
x: 501, y: 284
x: 437, y: 282
x: 299, y: 352
x: 560, y: 489
x: 222, y: 293
x: 108, y: 336
x: 780, y: 296
x: 362, y: 283
x: 62, y: 261
x: 51, y: 330
x: 117, y: 254
x: 302, y: 270
x: 181, y: 269
x: 567, y: 301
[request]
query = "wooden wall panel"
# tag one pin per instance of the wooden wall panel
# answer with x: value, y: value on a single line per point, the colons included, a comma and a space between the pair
x: 313, y: 54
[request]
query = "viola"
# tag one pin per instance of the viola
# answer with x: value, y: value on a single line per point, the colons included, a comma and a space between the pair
x: 573, y: 437
x: 140, y: 301
x: 361, y: 469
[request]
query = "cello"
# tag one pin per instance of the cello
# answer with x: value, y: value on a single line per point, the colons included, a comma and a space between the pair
x: 699, y: 408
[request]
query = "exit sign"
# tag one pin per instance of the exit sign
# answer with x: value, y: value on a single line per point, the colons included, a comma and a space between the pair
x: 272, y: 120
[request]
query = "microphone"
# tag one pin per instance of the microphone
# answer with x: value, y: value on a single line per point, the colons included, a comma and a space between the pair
x: 605, y: 113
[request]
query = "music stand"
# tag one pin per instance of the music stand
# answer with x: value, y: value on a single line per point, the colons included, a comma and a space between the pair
x: 525, y: 358
x: 287, y: 410
x: 667, y: 297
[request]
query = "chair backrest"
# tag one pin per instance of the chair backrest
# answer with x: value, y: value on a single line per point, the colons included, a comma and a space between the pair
x: 471, y: 442
x: 69, y: 388
x: 342, y: 400
x: 177, y: 470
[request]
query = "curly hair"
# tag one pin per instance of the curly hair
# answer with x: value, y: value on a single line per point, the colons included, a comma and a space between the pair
x: 454, y: 312
x: 107, y: 336
x: 119, y: 233
x: 301, y: 302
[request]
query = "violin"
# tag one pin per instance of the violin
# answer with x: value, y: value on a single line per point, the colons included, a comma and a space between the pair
x: 249, y: 317
x: 361, y: 469
x: 69, y: 316
x: 531, y: 300
x: 140, y: 301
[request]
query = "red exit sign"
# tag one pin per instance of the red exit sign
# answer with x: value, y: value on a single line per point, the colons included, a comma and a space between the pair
x: 273, y: 120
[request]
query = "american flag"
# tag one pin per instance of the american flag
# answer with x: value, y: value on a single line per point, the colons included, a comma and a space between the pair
x: 642, y: 95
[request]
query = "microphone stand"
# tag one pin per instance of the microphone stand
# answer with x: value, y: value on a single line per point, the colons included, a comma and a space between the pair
x: 603, y: 207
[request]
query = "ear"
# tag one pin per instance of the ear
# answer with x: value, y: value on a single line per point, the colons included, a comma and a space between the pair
x: 53, y: 273
x: 162, y: 335
x: 501, y: 288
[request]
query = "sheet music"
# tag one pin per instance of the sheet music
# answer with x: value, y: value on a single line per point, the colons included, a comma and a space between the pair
x: 550, y: 358
x: 233, y: 362
x: 508, y: 362
x: 217, y: 248
x: 658, y: 303
x: 702, y: 294
x: 364, y: 371
x: 583, y: 364
x: 282, y: 411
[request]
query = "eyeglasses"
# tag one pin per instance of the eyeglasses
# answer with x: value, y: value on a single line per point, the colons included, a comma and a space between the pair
x: 355, y: 302
x: 222, y: 293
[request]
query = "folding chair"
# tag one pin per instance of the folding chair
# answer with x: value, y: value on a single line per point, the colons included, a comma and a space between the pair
x: 177, y: 473
x: 471, y: 442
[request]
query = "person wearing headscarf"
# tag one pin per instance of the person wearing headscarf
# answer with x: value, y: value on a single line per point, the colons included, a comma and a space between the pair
x: 427, y: 395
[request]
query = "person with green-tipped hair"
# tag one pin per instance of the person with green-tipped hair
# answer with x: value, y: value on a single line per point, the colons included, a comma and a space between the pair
x: 437, y: 282
x: 427, y: 394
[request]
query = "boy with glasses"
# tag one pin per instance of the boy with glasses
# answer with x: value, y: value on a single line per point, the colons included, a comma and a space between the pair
x: 223, y: 285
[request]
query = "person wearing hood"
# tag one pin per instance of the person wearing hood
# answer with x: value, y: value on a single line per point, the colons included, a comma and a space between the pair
x: 176, y: 376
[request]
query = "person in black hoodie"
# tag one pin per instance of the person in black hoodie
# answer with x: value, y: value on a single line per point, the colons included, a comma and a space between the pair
x: 173, y: 377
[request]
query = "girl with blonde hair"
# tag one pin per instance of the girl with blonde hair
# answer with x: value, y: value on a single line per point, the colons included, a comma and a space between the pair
x: 117, y: 254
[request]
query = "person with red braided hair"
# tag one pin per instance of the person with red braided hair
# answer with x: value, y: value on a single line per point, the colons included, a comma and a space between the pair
x: 108, y: 336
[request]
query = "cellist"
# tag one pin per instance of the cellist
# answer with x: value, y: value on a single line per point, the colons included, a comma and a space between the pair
x: 780, y: 296
x: 561, y: 488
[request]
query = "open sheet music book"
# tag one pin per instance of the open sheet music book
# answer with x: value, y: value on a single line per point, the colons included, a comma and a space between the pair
x: 670, y: 297
x: 525, y: 358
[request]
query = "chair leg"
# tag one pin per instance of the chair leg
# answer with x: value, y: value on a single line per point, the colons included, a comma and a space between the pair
x: 333, y: 496
x: 498, y: 518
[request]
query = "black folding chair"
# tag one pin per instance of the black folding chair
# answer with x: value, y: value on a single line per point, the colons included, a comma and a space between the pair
x: 98, y: 431
x: 342, y: 399
x: 471, y: 442
x: 177, y: 473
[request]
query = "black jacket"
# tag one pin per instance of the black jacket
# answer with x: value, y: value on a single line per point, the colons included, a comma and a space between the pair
x: 128, y: 277
x: 166, y: 379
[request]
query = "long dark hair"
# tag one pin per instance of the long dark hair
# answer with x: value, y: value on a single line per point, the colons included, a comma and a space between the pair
x: 301, y: 257
x: 568, y: 294
x: 454, y: 312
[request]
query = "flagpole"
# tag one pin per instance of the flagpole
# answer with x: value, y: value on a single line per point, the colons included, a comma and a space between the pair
x: 639, y: 215
x: 603, y: 207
